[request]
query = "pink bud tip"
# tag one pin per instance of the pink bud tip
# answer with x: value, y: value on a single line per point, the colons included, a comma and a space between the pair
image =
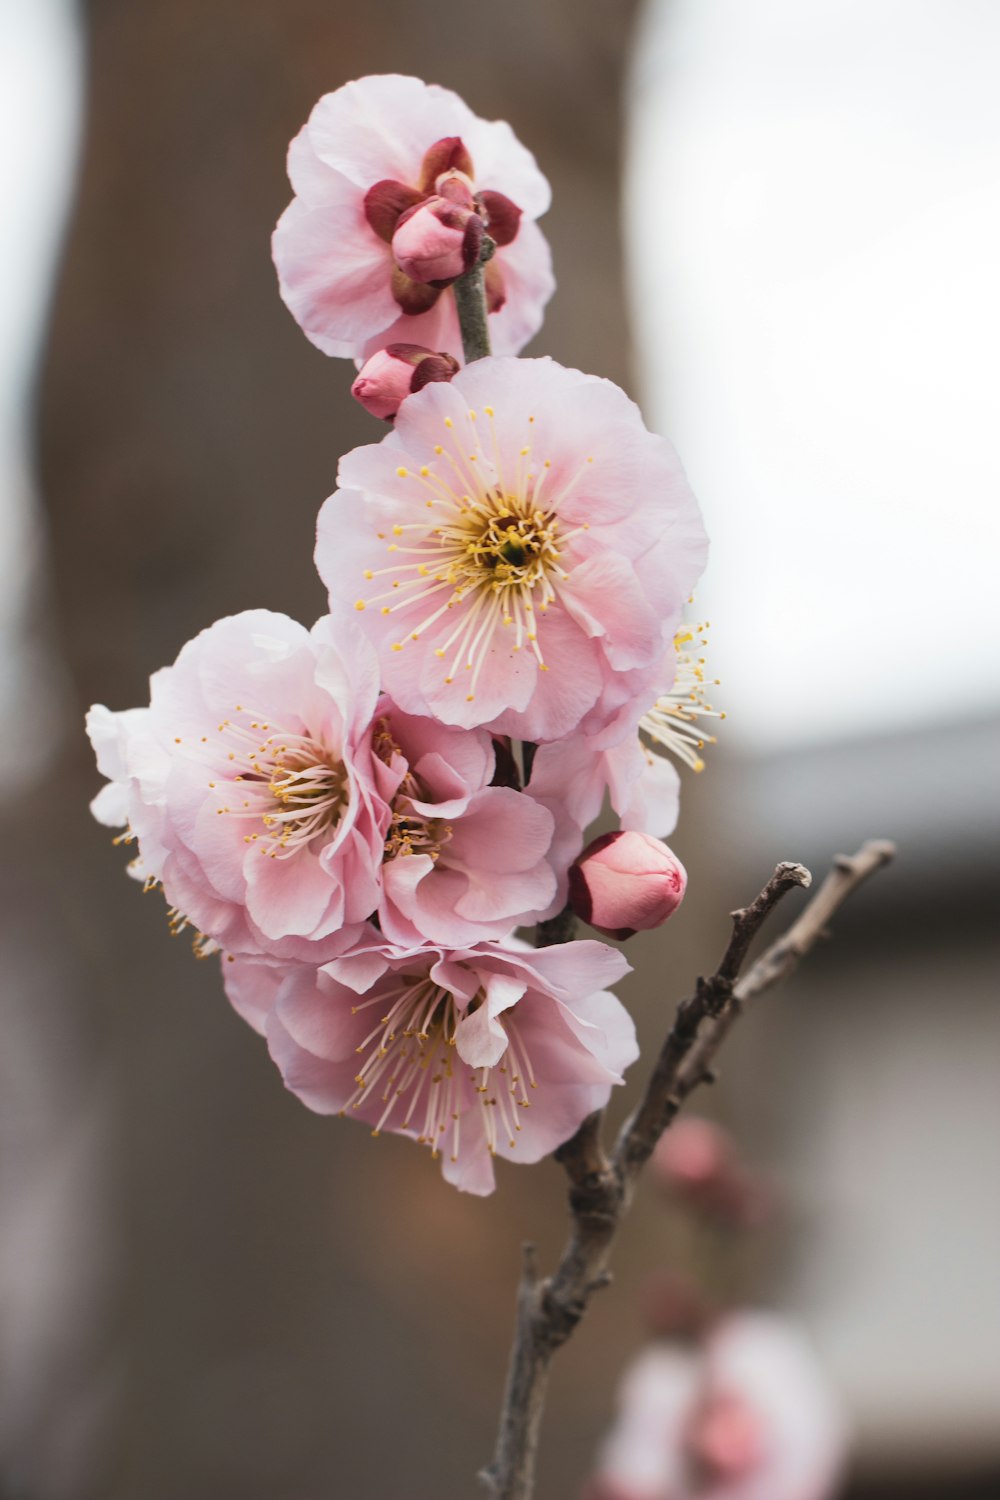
x: 437, y: 241
x: 393, y: 373
x: 625, y: 883
x: 694, y: 1153
x: 726, y: 1437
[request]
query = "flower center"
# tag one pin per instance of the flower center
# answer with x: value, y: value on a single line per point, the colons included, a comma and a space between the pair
x: 411, y: 1069
x: 492, y: 552
x: 288, y: 782
x: 409, y: 832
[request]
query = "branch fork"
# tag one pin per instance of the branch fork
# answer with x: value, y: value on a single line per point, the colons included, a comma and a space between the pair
x: 602, y: 1186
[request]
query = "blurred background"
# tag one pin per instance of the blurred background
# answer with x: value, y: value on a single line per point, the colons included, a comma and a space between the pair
x: 777, y: 224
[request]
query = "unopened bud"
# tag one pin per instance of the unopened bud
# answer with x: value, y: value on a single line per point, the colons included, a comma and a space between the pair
x: 437, y: 241
x: 626, y: 882
x: 697, y: 1160
x: 694, y: 1155
x: 395, y: 372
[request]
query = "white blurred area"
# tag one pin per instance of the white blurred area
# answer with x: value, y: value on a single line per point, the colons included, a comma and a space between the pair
x: 54, y: 1251
x: 814, y: 224
x: 813, y: 219
x: 40, y: 103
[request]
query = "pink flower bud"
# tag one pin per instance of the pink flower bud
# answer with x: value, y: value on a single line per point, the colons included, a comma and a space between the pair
x: 395, y: 372
x: 437, y: 241
x: 697, y: 1161
x: 694, y: 1154
x: 625, y: 883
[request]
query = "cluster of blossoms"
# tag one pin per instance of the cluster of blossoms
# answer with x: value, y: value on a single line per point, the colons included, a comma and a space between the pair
x: 360, y: 816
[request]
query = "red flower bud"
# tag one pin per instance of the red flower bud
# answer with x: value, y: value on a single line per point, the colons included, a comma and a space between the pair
x: 395, y: 372
x: 437, y: 241
x: 625, y: 883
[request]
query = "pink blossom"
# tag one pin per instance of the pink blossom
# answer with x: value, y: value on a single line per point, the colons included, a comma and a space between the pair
x: 371, y: 153
x: 626, y: 882
x: 518, y: 548
x: 631, y: 755
x: 493, y: 1050
x: 249, y: 784
x: 393, y: 373
x: 464, y: 860
x: 747, y: 1416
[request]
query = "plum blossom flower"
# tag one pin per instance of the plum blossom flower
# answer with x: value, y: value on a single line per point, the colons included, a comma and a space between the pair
x: 491, y: 1050
x: 519, y: 549
x: 632, y: 758
x: 396, y: 181
x: 464, y: 861
x: 747, y: 1416
x: 249, y: 783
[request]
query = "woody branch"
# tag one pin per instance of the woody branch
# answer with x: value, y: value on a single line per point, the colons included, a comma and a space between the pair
x: 601, y: 1187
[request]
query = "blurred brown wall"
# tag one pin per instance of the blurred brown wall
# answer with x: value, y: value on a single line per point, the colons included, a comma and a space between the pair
x: 295, y: 1311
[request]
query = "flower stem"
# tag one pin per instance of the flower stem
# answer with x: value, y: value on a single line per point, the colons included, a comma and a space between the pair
x: 470, y: 301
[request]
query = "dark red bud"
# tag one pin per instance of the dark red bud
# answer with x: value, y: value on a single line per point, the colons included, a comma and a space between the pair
x: 446, y: 155
x: 385, y: 203
x: 496, y: 292
x: 434, y: 367
x: 413, y: 297
x: 503, y: 218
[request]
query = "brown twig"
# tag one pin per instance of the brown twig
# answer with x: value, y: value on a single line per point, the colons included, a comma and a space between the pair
x: 601, y: 1188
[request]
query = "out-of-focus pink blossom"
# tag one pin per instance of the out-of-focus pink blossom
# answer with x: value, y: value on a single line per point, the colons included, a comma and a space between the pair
x: 495, y: 1050
x: 519, y: 549
x: 249, y: 784
x: 464, y: 860
x: 393, y: 373
x: 624, y: 883
x: 726, y: 1438
x: 355, y: 273
x: 749, y: 1415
